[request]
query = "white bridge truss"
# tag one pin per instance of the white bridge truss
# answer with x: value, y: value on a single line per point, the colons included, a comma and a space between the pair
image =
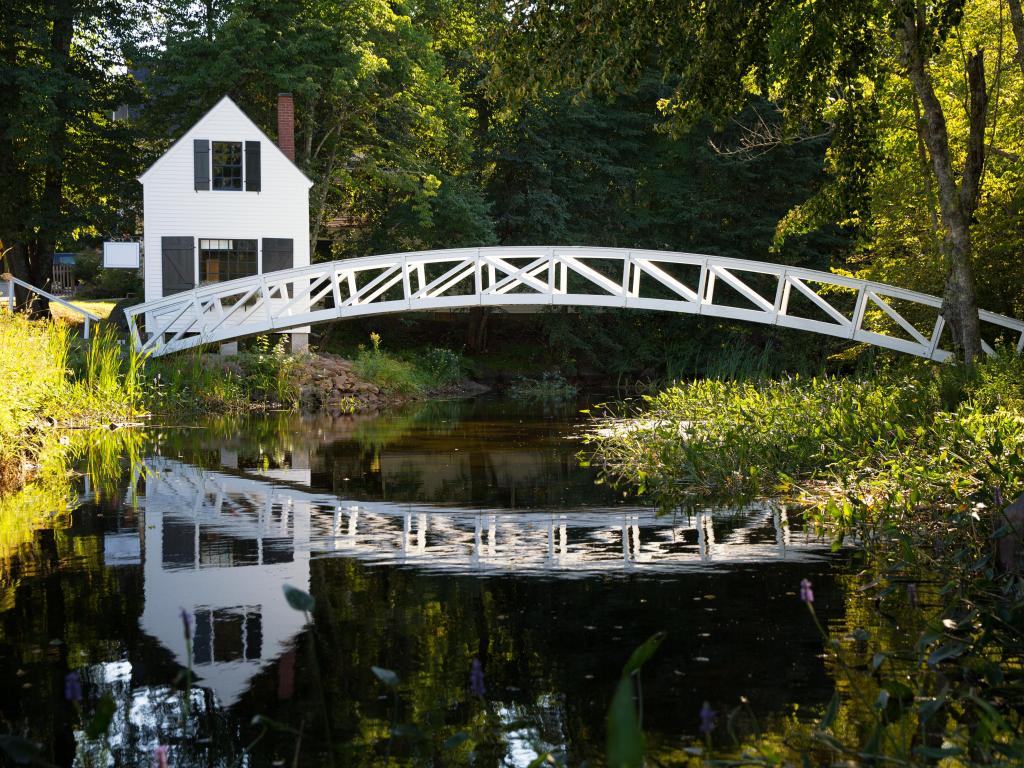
x: 525, y: 276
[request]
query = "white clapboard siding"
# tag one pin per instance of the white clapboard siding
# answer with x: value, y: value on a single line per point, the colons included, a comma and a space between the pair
x: 173, y: 208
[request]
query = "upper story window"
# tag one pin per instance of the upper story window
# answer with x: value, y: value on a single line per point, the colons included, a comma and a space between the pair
x: 227, y: 165
x: 218, y: 165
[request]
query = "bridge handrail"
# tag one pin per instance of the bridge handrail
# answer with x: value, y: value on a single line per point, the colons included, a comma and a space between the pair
x: 539, y: 278
x: 12, y: 281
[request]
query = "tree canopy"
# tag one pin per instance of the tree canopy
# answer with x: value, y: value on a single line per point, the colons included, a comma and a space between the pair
x: 881, y: 138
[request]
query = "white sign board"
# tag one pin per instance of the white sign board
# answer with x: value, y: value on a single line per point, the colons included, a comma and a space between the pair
x: 121, y: 255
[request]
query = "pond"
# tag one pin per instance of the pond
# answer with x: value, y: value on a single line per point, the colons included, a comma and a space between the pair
x: 459, y: 544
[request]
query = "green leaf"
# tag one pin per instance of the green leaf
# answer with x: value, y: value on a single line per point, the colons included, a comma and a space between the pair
x: 297, y: 599
x: 625, y: 747
x: 944, y: 652
x: 101, y: 719
x: 386, y: 676
x: 643, y: 653
x: 830, y: 713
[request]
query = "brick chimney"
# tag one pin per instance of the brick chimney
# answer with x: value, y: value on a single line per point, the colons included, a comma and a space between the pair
x: 286, y: 124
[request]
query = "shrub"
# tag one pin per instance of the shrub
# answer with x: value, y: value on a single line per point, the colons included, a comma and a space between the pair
x: 433, y: 369
x: 550, y: 386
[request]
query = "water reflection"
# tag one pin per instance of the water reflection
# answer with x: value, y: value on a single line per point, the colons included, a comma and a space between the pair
x: 429, y: 539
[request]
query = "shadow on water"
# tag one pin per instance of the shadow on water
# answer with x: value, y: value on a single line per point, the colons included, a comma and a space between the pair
x: 430, y: 538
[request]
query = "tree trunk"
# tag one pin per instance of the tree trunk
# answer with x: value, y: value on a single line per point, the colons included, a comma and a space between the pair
x: 1017, y: 22
x: 956, y: 204
x: 477, y: 339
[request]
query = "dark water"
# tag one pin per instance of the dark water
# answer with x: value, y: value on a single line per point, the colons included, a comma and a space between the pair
x: 448, y: 533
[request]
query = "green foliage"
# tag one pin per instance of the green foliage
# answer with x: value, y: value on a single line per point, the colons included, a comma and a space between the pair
x: 380, y: 127
x: 33, y: 358
x: 551, y: 385
x: 915, y: 464
x: 298, y: 599
x: 50, y: 374
x: 268, y: 372
x: 625, y: 748
x: 69, y: 170
x: 889, y: 436
x: 414, y: 374
x: 94, y: 281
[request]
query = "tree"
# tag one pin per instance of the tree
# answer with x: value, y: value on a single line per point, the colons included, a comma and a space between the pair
x: 68, y: 167
x: 379, y: 129
x: 819, y: 62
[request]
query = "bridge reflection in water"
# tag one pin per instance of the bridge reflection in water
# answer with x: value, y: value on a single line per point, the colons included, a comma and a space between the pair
x: 222, y: 543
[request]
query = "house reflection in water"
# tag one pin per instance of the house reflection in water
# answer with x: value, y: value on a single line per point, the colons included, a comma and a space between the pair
x: 220, y: 547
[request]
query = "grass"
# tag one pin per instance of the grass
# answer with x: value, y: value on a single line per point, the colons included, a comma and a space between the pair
x: 99, y: 307
x: 50, y: 373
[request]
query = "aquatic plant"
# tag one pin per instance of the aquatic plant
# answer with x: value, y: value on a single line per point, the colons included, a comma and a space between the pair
x: 913, y: 466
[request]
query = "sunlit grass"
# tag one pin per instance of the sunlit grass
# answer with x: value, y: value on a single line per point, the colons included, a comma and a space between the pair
x: 50, y: 374
x: 99, y: 307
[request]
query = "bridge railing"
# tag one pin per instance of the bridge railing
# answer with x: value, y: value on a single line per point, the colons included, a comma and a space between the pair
x: 773, y: 294
x: 12, y: 281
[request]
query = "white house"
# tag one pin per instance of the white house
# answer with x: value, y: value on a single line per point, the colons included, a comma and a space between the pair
x: 225, y: 202
x: 220, y: 546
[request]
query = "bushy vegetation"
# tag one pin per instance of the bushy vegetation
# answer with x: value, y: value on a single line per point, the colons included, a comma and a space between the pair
x: 260, y: 376
x: 410, y: 373
x: 93, y: 280
x: 916, y: 465
x: 34, y: 363
x: 551, y: 385
x: 949, y: 433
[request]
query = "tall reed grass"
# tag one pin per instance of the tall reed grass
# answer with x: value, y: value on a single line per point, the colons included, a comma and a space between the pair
x: 49, y: 372
x: 33, y: 365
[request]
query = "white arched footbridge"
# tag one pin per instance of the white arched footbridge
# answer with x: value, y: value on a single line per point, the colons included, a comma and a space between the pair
x: 771, y: 294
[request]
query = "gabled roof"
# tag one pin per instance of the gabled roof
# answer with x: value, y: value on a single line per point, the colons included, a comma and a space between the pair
x: 224, y: 103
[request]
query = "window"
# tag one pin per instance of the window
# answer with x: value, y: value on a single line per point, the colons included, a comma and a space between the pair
x: 227, y: 165
x: 221, y: 260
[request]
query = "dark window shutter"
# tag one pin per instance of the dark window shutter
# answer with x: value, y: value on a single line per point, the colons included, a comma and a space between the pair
x: 201, y: 166
x: 278, y: 253
x: 177, y: 257
x: 252, y: 166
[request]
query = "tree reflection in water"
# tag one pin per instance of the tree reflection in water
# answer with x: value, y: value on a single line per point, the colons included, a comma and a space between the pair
x: 430, y: 539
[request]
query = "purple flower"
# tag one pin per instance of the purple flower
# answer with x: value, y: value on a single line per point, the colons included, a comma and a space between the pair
x: 476, y: 679
x: 72, y: 686
x: 806, y: 593
x: 160, y: 756
x: 707, y: 719
x: 186, y: 621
